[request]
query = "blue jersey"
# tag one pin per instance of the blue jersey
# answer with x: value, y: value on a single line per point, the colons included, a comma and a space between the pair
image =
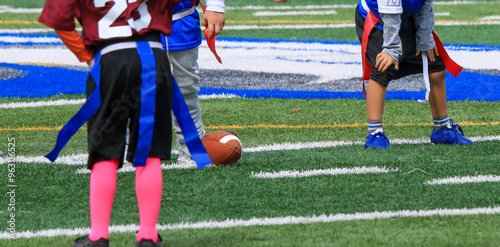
x: 186, y: 31
x: 410, y: 6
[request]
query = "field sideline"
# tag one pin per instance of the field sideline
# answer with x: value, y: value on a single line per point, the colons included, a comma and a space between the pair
x: 290, y: 88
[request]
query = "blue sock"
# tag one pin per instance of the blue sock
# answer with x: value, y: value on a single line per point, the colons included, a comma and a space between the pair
x: 440, y: 123
x: 373, y: 126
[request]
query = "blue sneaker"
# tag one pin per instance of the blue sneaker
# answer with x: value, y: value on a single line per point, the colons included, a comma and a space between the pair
x: 377, y: 140
x: 451, y: 135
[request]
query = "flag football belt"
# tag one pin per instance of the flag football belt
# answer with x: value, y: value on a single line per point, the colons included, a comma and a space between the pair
x: 147, y: 111
x: 452, y: 67
x: 128, y: 45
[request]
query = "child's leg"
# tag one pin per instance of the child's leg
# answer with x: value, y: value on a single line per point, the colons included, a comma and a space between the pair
x: 443, y: 131
x: 437, y: 100
x: 102, y: 193
x: 148, y: 187
x: 437, y: 96
x: 184, y: 64
x: 375, y: 100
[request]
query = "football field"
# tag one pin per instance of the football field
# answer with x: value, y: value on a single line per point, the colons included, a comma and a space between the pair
x: 289, y: 86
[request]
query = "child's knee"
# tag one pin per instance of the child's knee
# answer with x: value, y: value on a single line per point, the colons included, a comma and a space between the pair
x: 438, y: 74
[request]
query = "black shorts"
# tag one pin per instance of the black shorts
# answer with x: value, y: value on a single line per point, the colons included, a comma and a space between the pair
x: 408, y: 63
x: 121, y: 104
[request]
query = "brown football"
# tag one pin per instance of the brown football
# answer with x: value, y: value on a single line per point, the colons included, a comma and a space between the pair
x: 223, y: 147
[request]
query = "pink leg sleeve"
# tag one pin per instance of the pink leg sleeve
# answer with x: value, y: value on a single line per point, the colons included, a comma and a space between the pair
x: 102, y: 193
x: 148, y: 187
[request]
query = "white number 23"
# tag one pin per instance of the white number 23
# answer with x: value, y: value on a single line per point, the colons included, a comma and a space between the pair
x: 107, y: 31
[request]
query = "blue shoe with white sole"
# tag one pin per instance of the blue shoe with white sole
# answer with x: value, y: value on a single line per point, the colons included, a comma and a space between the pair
x: 377, y: 140
x: 451, y: 135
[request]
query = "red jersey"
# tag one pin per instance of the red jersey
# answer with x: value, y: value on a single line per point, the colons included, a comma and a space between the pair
x: 109, y: 19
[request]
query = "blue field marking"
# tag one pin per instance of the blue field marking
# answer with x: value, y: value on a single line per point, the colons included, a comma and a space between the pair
x: 42, y: 81
x: 470, y: 86
x: 31, y: 39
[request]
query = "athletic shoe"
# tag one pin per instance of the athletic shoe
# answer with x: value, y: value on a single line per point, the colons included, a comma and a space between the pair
x: 377, y: 140
x: 86, y: 242
x: 150, y: 243
x: 451, y: 135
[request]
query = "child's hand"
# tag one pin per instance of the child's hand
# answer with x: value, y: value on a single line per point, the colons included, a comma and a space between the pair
x: 214, y: 21
x: 384, y: 61
x: 432, y: 54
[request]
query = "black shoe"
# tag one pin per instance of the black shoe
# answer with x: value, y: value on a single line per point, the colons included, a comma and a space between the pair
x: 86, y: 242
x: 150, y: 243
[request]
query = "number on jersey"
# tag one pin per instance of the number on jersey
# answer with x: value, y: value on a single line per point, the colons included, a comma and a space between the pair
x: 106, y: 29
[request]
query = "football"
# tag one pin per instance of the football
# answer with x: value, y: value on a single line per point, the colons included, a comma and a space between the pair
x: 223, y: 147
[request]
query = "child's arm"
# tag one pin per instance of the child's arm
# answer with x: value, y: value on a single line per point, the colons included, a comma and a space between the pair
x: 74, y: 42
x: 424, y: 22
x: 390, y: 13
x: 392, y: 42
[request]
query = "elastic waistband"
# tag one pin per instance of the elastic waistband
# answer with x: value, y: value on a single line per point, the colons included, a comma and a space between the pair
x: 128, y: 45
x: 151, y: 36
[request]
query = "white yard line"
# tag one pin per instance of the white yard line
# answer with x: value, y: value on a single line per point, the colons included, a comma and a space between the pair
x: 491, y: 17
x: 288, y: 26
x: 32, y: 30
x: 62, y: 102
x: 288, y: 7
x: 299, y: 145
x: 42, y: 103
x: 130, y: 168
x: 442, y: 13
x: 339, y: 6
x: 27, y: 30
x: 74, y: 159
x: 8, y: 9
x: 17, y: 39
x: 351, y: 25
x: 287, y: 220
x: 293, y: 13
x: 463, y: 180
x: 80, y: 159
x: 219, y: 96
x: 319, y: 172
x: 487, y: 21
x: 463, y: 3
x: 467, y: 23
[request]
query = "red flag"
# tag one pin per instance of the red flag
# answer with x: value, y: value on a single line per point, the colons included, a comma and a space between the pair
x: 370, y: 22
x: 210, y: 42
x: 450, y: 65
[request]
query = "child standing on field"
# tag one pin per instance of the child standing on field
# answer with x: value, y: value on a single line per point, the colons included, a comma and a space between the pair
x: 183, y: 52
x: 129, y: 86
x: 397, y: 40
